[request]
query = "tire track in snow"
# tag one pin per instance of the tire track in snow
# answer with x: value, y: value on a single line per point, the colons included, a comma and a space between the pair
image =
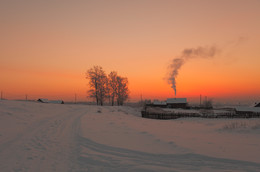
x: 47, y: 145
x: 99, y: 157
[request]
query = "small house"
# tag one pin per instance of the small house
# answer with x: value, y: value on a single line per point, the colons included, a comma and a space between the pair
x: 247, y: 111
x: 257, y: 104
x: 43, y: 100
x: 157, y: 103
x: 56, y: 101
x: 176, y: 103
x: 51, y: 101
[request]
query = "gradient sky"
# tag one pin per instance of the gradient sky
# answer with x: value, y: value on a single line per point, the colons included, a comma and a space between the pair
x: 47, y: 46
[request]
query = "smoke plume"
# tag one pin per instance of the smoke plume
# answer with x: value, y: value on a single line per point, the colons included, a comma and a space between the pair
x: 191, y: 53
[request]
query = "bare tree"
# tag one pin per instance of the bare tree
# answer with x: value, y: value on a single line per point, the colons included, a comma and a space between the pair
x: 113, y: 87
x: 108, y: 90
x: 112, y: 80
x: 122, y: 90
x: 102, y: 87
x: 97, y: 82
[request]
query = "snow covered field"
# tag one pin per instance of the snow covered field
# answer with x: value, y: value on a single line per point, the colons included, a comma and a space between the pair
x: 54, y: 137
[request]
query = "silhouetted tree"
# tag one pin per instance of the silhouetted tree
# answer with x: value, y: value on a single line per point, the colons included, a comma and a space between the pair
x: 112, y: 84
x: 122, y: 90
x: 108, y: 90
x: 113, y: 87
x: 97, y: 82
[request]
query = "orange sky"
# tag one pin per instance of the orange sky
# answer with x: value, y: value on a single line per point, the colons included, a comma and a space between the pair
x: 46, y: 47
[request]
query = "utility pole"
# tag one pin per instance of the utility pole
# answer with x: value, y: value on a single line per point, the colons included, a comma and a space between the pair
x: 26, y: 97
x: 200, y: 100
x: 75, y: 98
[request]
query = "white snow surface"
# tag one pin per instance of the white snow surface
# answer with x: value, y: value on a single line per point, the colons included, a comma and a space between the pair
x: 55, y: 137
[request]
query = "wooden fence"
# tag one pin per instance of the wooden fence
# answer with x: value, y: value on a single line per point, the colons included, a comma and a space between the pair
x: 173, y: 115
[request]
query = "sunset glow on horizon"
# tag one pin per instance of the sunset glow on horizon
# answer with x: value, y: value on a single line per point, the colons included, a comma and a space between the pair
x: 46, y: 47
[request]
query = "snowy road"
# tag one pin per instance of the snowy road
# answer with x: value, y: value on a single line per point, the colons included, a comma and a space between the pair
x: 47, y: 145
x: 45, y: 137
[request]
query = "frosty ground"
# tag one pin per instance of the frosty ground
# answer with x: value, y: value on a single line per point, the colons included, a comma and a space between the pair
x: 52, y: 137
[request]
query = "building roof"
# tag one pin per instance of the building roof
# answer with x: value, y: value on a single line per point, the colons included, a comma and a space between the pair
x: 176, y: 100
x: 257, y: 105
x: 43, y: 100
x: 157, y: 102
x: 56, y: 101
x: 247, y: 109
x: 51, y: 101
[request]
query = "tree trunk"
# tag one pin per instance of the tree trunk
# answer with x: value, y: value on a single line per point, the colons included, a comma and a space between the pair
x: 112, y: 100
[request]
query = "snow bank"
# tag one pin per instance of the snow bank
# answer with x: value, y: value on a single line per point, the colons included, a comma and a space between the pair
x: 52, y: 137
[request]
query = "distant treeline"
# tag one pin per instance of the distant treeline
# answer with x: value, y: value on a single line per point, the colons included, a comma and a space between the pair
x: 111, y: 87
